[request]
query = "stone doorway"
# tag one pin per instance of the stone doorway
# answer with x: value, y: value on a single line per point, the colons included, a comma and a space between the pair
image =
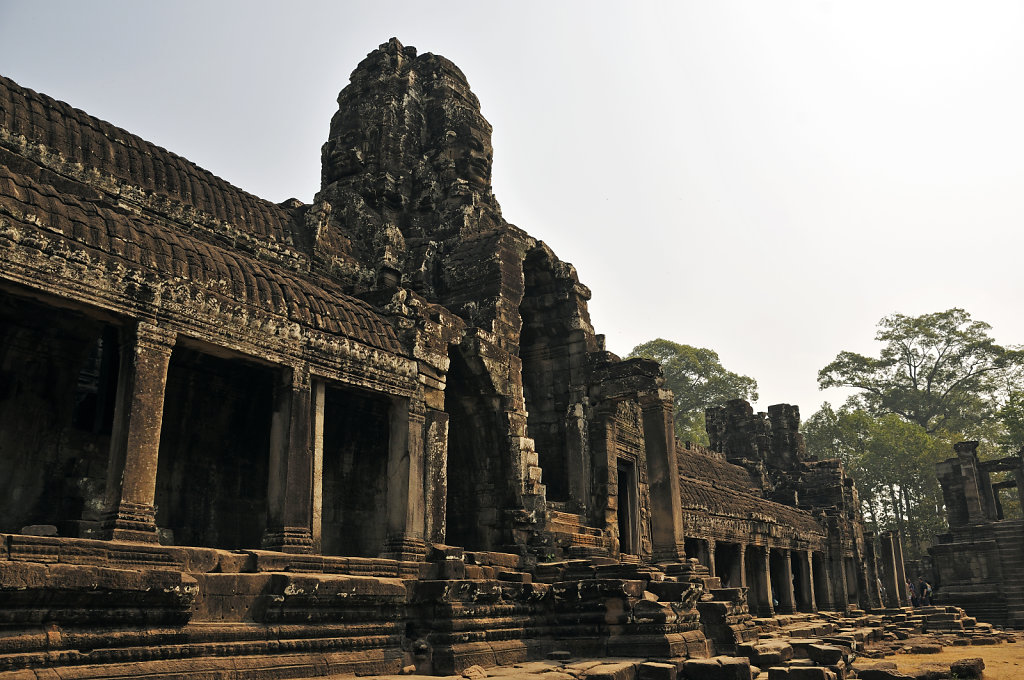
x: 354, y: 478
x: 212, y: 473
x: 478, y: 472
x: 58, y: 377
x: 628, y: 517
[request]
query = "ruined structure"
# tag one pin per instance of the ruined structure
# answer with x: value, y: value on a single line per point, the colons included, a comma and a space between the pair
x: 240, y: 437
x: 979, y: 563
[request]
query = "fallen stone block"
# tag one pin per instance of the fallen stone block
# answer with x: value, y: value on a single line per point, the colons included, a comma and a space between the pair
x: 718, y: 668
x: 612, y: 671
x: 653, y: 670
x: 825, y: 655
x: 968, y: 668
x: 925, y: 649
x: 810, y: 673
x: 932, y: 671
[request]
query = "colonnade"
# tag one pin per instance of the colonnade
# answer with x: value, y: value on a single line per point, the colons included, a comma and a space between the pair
x: 296, y: 454
x: 778, y: 580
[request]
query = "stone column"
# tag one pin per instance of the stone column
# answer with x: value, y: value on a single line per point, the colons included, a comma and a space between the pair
x: 436, y: 473
x: 901, y: 570
x: 406, y: 506
x: 765, y: 581
x: 290, y: 488
x: 135, y: 438
x: 663, y: 476
x: 784, y: 590
x: 711, y: 556
x: 968, y: 459
x: 741, y: 565
x: 807, y: 581
x: 319, y: 399
x: 890, y: 573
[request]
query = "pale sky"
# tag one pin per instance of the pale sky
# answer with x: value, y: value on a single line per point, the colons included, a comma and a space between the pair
x: 767, y: 179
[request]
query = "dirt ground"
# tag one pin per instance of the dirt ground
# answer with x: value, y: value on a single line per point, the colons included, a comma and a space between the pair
x: 1002, y: 662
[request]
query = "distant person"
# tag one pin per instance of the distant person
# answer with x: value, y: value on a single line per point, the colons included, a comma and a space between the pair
x: 924, y: 591
x: 914, y: 601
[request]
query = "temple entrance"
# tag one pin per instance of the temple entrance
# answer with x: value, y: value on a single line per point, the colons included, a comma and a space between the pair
x: 211, y: 484
x: 801, y: 582
x: 727, y: 564
x: 58, y: 377
x: 478, y: 474
x: 852, y: 591
x: 628, y: 519
x: 354, y: 481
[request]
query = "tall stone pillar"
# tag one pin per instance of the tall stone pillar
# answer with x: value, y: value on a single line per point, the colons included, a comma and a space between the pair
x: 436, y: 473
x: 784, y: 590
x: 135, y: 438
x: 406, y: 502
x: 807, y: 581
x: 290, y: 487
x: 741, y: 567
x: 890, y: 573
x: 901, y: 570
x: 765, y: 582
x: 319, y: 401
x: 663, y: 476
x: 711, y: 556
x: 968, y: 458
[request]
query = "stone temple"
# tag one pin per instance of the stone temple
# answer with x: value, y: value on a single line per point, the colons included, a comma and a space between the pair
x: 248, y: 439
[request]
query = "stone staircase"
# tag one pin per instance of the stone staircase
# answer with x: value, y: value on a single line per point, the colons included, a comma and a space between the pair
x: 1010, y: 539
x: 569, y: 533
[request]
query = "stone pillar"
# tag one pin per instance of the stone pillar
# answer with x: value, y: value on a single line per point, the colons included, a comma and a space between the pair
x: 135, y: 438
x: 890, y: 573
x: 765, y: 582
x: 901, y: 570
x: 711, y: 556
x: 406, y: 507
x: 741, y: 565
x: 290, y: 488
x: 807, y: 581
x: 968, y: 459
x: 663, y: 476
x: 784, y: 590
x: 436, y: 473
x: 319, y: 399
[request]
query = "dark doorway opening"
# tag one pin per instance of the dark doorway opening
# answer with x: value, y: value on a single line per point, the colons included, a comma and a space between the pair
x: 58, y: 376
x: 628, y: 519
x: 479, y: 477
x: 355, y: 463
x: 212, y: 474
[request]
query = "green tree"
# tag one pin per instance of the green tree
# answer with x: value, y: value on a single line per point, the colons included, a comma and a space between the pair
x: 941, y: 371
x: 893, y: 463
x: 697, y: 378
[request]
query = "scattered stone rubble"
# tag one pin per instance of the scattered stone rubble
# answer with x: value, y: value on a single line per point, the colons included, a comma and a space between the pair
x: 376, y: 433
x: 822, y: 646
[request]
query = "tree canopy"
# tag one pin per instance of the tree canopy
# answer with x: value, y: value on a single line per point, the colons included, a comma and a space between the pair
x: 941, y: 371
x: 939, y: 378
x: 697, y: 378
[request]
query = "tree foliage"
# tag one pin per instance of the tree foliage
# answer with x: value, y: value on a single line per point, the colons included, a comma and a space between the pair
x: 697, y: 378
x: 941, y: 371
x: 893, y: 463
x: 939, y: 378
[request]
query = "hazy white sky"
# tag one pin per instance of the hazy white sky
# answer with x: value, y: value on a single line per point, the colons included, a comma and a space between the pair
x: 766, y: 179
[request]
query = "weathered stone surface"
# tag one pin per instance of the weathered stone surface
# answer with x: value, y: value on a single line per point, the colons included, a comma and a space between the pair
x: 373, y: 434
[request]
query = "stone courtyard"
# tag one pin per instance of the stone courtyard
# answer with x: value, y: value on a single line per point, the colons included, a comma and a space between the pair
x: 378, y: 433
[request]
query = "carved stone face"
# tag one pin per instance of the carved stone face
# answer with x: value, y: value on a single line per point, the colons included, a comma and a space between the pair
x: 343, y: 155
x: 470, y: 149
